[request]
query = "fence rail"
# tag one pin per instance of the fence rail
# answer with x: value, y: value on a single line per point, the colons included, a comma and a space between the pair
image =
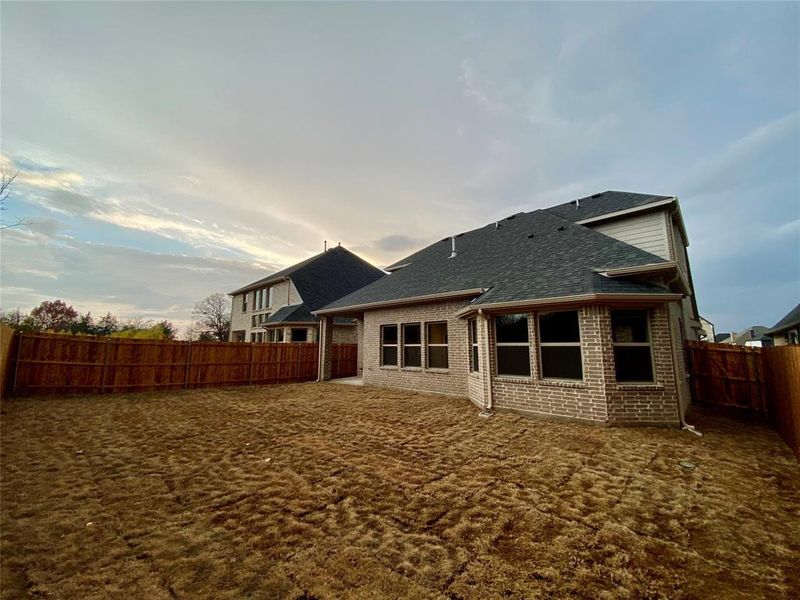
x: 61, y: 364
x: 762, y: 383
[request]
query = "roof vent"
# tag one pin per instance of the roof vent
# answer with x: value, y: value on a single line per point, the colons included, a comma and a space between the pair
x: 578, y: 203
x: 561, y: 228
x: 497, y: 224
x: 530, y: 236
x: 452, y: 247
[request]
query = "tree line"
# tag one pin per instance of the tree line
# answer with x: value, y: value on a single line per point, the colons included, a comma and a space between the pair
x: 210, y: 322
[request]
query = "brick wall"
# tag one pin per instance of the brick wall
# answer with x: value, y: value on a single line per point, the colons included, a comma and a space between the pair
x: 343, y: 334
x: 450, y: 381
x: 597, y: 398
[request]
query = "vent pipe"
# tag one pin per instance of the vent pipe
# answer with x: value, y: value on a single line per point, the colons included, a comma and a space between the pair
x: 324, y: 245
x: 578, y: 203
x: 453, y: 253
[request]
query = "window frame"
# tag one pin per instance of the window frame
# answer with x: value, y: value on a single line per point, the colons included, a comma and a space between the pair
x: 498, y: 344
x: 244, y: 302
x: 428, y: 345
x: 648, y: 343
x: 396, y: 346
x: 402, y: 342
x: 474, y: 349
x: 541, y: 344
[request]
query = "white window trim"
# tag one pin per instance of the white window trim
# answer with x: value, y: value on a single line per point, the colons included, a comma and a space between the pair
x: 396, y: 346
x: 635, y: 345
x: 542, y: 344
x: 430, y: 345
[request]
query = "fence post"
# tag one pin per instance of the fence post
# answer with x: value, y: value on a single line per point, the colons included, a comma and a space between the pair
x: 105, y: 366
x: 16, y: 362
x: 188, y: 363
x: 299, y: 355
x: 252, y: 357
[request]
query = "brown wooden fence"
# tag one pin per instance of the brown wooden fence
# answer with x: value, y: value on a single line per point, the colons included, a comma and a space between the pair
x: 344, y: 361
x: 762, y: 383
x: 61, y: 364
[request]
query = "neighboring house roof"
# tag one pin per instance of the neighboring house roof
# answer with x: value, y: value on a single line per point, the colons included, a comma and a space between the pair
x: 299, y: 313
x: 527, y: 256
x: 790, y: 320
x: 604, y: 203
x: 721, y: 337
x: 752, y: 333
x: 323, y: 277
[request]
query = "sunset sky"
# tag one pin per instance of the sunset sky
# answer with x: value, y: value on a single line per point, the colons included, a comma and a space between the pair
x: 168, y: 151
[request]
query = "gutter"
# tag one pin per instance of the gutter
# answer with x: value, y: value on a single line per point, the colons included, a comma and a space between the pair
x: 578, y: 299
x: 401, y: 301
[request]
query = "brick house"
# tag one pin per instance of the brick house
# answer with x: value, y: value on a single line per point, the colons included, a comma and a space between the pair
x: 578, y: 311
x: 278, y: 308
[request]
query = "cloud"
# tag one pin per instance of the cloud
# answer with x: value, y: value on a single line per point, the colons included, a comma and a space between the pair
x: 124, y: 281
x: 398, y: 243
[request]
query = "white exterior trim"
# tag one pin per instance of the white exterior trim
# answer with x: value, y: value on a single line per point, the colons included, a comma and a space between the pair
x: 627, y: 211
x: 403, y: 301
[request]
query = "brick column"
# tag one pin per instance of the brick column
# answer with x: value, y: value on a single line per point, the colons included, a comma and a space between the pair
x: 325, y: 348
x: 360, y: 342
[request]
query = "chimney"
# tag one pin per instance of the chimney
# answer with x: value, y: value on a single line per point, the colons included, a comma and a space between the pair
x: 453, y: 253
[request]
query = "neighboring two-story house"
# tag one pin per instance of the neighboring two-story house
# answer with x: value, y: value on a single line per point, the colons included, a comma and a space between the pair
x: 577, y: 311
x: 278, y: 308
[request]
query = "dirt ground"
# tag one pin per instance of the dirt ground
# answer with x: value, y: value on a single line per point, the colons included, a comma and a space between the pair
x: 331, y: 491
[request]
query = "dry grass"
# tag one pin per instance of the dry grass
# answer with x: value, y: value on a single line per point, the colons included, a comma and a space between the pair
x: 338, y: 492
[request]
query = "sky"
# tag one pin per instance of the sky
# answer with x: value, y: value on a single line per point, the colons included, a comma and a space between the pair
x: 168, y: 151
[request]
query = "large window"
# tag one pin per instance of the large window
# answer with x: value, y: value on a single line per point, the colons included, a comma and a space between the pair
x: 437, y: 346
x: 560, y: 342
x: 412, y: 345
x: 633, y: 358
x: 389, y: 345
x: 473, y: 345
x: 513, y: 350
x: 257, y: 300
x: 244, y: 302
x: 300, y: 335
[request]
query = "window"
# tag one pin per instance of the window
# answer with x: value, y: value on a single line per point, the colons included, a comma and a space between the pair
x: 257, y: 300
x: 560, y: 344
x: 254, y: 320
x: 270, y: 295
x: 389, y: 345
x: 412, y: 345
x: 252, y: 337
x: 299, y: 335
x: 437, y: 346
x: 276, y: 335
x: 633, y: 358
x: 244, y: 302
x: 513, y: 350
x: 473, y: 345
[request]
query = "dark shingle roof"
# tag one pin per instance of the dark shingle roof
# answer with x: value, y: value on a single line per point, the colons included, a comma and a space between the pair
x: 790, y: 320
x: 324, y: 278
x: 294, y: 313
x: 529, y: 256
x: 721, y: 336
x: 603, y: 203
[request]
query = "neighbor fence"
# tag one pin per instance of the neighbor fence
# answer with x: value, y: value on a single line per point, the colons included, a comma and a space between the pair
x: 63, y: 364
x: 760, y: 383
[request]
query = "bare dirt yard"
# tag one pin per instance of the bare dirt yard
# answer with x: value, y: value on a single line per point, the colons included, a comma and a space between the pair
x: 331, y: 491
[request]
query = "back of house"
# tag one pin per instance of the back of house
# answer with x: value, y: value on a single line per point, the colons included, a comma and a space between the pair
x: 578, y: 311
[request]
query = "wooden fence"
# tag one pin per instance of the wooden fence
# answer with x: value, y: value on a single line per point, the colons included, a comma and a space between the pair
x: 62, y: 364
x: 761, y: 383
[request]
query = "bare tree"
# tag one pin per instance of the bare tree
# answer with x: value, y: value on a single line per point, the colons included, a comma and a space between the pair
x: 7, y: 177
x: 213, y: 315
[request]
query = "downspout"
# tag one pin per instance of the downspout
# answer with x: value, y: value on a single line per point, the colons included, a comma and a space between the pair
x: 684, y: 424
x: 487, y: 411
